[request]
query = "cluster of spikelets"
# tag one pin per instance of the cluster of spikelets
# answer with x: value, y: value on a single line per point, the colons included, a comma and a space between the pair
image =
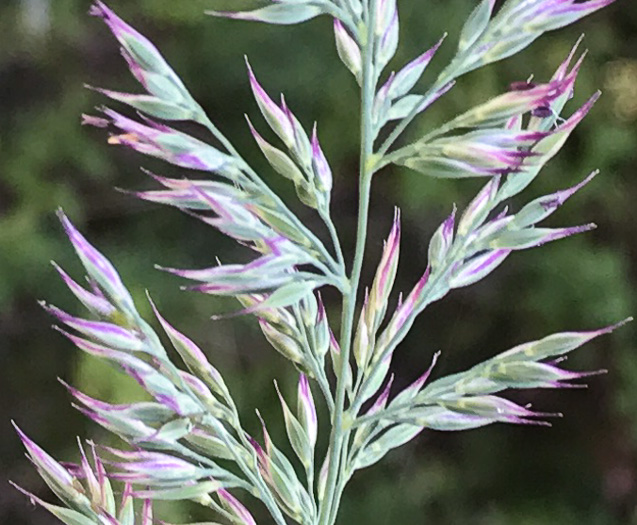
x: 187, y: 441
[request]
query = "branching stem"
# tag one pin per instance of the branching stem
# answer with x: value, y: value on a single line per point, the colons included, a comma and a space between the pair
x: 340, y: 430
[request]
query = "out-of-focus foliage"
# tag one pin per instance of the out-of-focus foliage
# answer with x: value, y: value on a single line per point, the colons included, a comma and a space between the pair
x: 584, y: 470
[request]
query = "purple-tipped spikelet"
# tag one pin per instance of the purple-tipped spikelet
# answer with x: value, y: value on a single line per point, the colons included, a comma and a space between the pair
x: 306, y: 409
x: 322, y: 169
x: 164, y: 142
x: 239, y: 511
x: 376, y: 304
x: 348, y: 50
x: 170, y: 99
x: 273, y: 114
x: 401, y: 83
x: 97, y: 266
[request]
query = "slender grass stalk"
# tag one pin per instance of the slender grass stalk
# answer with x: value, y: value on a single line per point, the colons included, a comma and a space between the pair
x: 340, y: 432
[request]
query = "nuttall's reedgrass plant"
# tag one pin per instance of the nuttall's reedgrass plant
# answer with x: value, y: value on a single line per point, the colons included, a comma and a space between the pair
x: 188, y: 442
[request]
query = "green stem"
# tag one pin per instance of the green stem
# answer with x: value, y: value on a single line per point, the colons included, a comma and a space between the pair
x: 327, y: 219
x: 343, y: 479
x: 340, y: 431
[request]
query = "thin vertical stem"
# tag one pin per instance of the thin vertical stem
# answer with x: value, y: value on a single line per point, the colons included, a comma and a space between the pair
x: 340, y: 433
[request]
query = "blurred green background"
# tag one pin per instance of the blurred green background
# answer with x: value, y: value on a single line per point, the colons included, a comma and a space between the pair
x: 583, y: 470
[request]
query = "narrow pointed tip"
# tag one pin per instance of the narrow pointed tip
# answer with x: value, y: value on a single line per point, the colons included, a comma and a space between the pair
x: 615, y: 326
x: 591, y: 176
x: 18, y: 430
x: 65, y: 384
x: 98, y: 9
x: 60, y: 214
x: 278, y: 391
x: 32, y: 497
x: 220, y: 14
x: 150, y: 300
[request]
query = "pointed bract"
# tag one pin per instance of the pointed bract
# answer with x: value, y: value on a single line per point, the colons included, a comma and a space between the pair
x: 306, y: 409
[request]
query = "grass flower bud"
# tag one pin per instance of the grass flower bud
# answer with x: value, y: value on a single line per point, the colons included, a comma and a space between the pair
x: 281, y: 163
x: 273, y: 114
x: 362, y: 347
x: 109, y: 334
x: 158, y: 140
x: 277, y: 13
x: 407, y: 394
x: 478, y: 209
x: 320, y: 166
x: 322, y: 330
x: 475, y: 25
x: 98, y: 267
x: 542, y: 207
x: 65, y: 515
x: 533, y: 237
x: 297, y: 434
x: 59, y: 480
x: 402, y: 82
x: 192, y: 356
x: 536, y: 375
x: 385, y: 276
x: 478, y: 268
x: 302, y: 149
x: 385, y: 12
x: 441, y: 241
x: 145, y: 62
x: 389, y: 41
x: 95, y: 302
x: 280, y: 476
x: 284, y: 344
x: 306, y: 410
x: 153, y: 468
x: 555, y: 345
x: 517, y: 101
x: 233, y: 505
x: 348, y: 50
